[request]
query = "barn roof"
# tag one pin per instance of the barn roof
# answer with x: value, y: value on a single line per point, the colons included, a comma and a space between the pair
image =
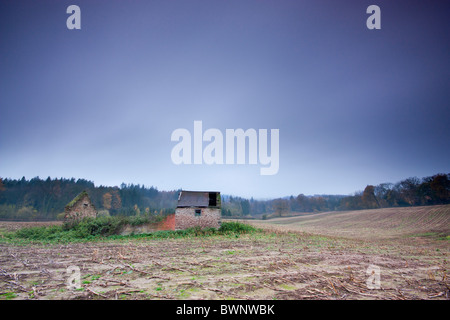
x: 196, y: 198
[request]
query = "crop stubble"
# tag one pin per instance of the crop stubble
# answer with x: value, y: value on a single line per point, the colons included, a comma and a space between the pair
x: 270, y: 265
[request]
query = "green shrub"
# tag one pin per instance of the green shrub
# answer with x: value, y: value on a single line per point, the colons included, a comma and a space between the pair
x: 138, y: 220
x: 38, y: 233
x: 102, y: 226
x: 51, y: 233
x: 94, y: 229
x: 236, y: 227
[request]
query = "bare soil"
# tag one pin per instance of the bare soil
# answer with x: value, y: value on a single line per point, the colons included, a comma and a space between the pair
x: 373, y: 224
x: 282, y: 263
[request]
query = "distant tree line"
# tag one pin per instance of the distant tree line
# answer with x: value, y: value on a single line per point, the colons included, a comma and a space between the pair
x: 39, y: 199
x: 409, y: 192
x: 237, y: 207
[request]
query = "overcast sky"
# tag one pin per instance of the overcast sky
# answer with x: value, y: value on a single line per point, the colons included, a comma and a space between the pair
x: 353, y: 106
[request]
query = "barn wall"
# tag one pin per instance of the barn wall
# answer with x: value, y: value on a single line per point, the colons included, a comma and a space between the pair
x: 79, y: 211
x: 185, y: 218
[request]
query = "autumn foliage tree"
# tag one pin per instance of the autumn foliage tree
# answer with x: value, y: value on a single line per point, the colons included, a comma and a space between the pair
x: 107, y: 199
x: 116, y: 201
x: 368, y: 198
x: 280, y: 207
x: 440, y: 187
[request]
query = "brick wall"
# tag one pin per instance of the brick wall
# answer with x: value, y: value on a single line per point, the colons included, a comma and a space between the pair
x: 186, y: 218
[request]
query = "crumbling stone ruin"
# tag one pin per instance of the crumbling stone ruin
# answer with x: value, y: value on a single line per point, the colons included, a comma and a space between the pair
x: 80, y: 207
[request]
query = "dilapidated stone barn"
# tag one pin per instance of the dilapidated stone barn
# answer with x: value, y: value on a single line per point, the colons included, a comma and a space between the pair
x: 198, y: 209
x: 80, y: 207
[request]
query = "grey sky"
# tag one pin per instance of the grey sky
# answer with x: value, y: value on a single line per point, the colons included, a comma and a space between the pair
x: 353, y: 106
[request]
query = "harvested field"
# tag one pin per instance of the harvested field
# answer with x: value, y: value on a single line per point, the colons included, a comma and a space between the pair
x: 387, y: 223
x: 14, y: 225
x: 275, y: 264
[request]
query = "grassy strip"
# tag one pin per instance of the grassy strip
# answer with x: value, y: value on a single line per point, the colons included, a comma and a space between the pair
x: 107, y: 228
x: 432, y: 235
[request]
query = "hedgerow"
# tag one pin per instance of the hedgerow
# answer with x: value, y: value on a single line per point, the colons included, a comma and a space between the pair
x: 108, y: 228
